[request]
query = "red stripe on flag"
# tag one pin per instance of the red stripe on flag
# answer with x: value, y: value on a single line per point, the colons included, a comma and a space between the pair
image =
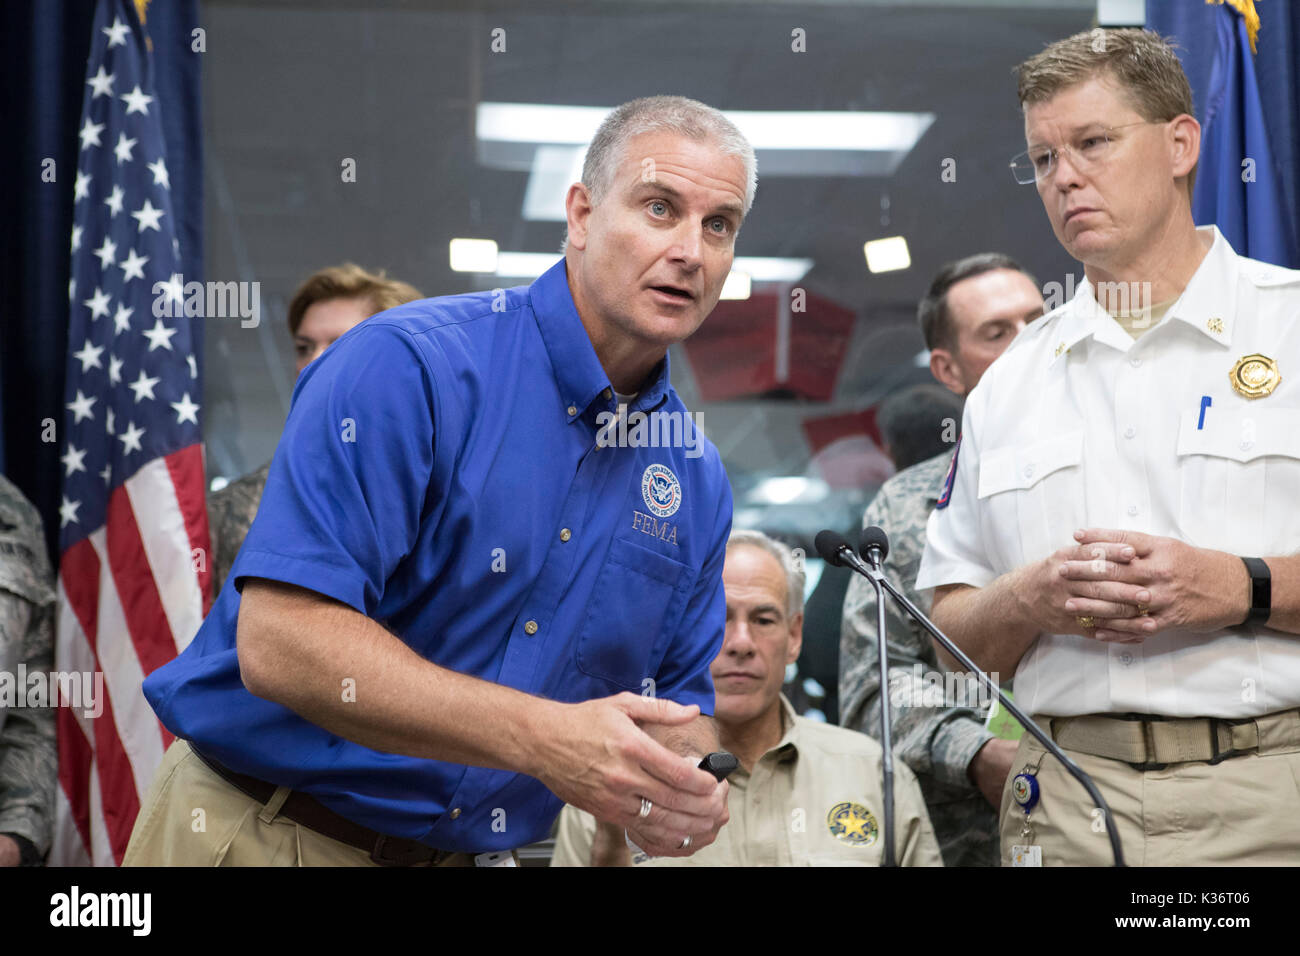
x: 186, y: 470
x: 79, y: 572
x: 116, y: 780
x: 136, y: 589
x: 74, y: 771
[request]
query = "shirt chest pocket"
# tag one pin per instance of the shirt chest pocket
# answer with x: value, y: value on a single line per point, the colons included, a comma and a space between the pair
x: 1032, y: 495
x: 1239, y: 479
x: 633, y: 613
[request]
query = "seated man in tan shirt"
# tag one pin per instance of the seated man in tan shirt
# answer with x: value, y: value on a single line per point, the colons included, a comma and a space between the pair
x: 805, y: 793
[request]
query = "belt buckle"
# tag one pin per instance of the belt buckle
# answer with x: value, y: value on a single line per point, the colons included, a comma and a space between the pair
x: 1218, y: 756
x: 385, y: 854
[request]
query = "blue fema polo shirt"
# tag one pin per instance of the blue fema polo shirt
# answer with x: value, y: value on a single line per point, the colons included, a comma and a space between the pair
x: 440, y: 472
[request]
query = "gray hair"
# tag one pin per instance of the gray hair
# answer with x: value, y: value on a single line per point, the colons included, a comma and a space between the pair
x: 653, y: 114
x: 794, y: 571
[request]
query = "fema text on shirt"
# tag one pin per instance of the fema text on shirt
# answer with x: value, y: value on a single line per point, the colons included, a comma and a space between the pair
x: 622, y: 429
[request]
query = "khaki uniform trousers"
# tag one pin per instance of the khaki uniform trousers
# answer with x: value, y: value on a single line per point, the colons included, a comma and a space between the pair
x: 193, y: 817
x: 1243, y: 811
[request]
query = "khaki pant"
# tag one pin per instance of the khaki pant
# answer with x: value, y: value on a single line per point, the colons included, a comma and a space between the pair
x: 1242, y: 811
x: 193, y: 817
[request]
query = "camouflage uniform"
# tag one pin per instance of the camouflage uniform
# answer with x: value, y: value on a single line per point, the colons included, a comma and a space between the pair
x: 28, y: 757
x: 937, y: 742
x: 230, y: 514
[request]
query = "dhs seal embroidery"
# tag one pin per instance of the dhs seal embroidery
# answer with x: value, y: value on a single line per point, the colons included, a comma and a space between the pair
x: 853, y: 823
x: 661, y: 490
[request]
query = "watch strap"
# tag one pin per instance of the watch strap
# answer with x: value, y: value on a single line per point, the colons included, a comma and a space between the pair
x: 1261, y: 591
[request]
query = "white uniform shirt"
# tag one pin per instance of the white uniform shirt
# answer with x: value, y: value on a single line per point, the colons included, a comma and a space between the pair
x: 1077, y: 425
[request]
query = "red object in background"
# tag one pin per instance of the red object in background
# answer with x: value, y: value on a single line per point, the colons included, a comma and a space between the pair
x: 755, y: 345
x: 847, y: 449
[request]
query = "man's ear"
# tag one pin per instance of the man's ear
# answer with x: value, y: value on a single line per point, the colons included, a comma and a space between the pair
x: 1185, y: 144
x: 577, y: 209
x: 796, y: 639
x: 943, y: 366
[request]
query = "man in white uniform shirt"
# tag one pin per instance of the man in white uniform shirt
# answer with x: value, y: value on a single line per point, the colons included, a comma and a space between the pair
x: 1123, y: 469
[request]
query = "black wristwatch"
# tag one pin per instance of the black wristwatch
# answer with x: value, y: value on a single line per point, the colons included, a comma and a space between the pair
x: 1261, y: 591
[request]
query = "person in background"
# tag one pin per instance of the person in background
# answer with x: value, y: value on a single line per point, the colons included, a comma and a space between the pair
x: 28, y: 759
x: 325, y: 306
x: 806, y: 792
x: 972, y: 311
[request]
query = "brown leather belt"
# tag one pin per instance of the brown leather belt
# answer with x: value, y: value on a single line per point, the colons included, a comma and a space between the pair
x: 311, y: 813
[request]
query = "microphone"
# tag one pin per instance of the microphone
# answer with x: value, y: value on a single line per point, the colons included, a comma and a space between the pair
x: 873, y: 544
x: 835, y: 550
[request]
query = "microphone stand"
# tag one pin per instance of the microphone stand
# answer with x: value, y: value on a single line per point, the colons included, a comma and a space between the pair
x: 880, y: 581
x: 886, y: 718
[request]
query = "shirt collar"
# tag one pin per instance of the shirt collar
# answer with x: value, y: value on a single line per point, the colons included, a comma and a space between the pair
x: 1208, y: 304
x: 578, y: 373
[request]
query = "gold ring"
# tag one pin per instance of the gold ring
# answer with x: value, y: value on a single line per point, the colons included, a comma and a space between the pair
x: 1086, y: 621
x: 1143, y: 610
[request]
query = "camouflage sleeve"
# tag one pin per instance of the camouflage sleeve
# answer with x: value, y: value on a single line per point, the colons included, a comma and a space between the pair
x: 28, y: 757
x: 935, y: 741
x: 230, y: 514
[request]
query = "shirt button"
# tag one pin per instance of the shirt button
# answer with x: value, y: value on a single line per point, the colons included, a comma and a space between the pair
x: 1132, y: 510
x: 455, y: 814
x: 1130, y: 432
x: 573, y: 410
x: 1029, y: 471
x: 1126, y: 658
x: 530, y: 627
x: 1135, y: 361
x: 565, y: 534
x: 1247, y: 444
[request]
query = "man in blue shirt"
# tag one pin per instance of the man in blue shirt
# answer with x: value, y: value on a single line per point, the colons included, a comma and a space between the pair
x: 466, y: 600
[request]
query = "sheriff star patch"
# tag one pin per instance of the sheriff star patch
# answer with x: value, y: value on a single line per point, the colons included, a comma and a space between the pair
x: 853, y: 823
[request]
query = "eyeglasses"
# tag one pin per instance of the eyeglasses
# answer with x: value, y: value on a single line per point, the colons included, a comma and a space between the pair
x: 1087, y: 151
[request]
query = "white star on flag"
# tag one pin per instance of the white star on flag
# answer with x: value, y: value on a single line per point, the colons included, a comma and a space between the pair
x: 132, y: 266
x: 185, y: 410
x: 174, y: 289
x: 130, y: 438
x: 81, y: 189
x: 114, y: 370
x: 90, y: 134
x: 143, y: 387
x: 102, y: 82
x: 89, y: 356
x: 194, y: 371
x: 147, y: 216
x: 114, y: 201
x: 73, y: 460
x: 68, y: 512
x: 80, y: 407
x: 159, y: 336
x: 98, y: 303
x: 110, y: 423
x: 123, y: 148
x: 122, y: 318
x: 159, y: 170
x: 106, y: 252
x: 116, y: 33
x: 136, y: 101
x: 76, y: 238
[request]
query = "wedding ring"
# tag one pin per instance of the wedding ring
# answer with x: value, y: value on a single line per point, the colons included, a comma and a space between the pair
x: 1143, y: 610
x: 1086, y: 621
x: 646, y: 807
x: 685, y: 843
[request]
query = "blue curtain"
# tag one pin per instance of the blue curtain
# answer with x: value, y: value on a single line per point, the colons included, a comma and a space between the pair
x: 1249, y: 109
x: 45, y: 44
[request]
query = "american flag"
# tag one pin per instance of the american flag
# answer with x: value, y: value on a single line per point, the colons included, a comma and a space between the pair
x: 133, y: 528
